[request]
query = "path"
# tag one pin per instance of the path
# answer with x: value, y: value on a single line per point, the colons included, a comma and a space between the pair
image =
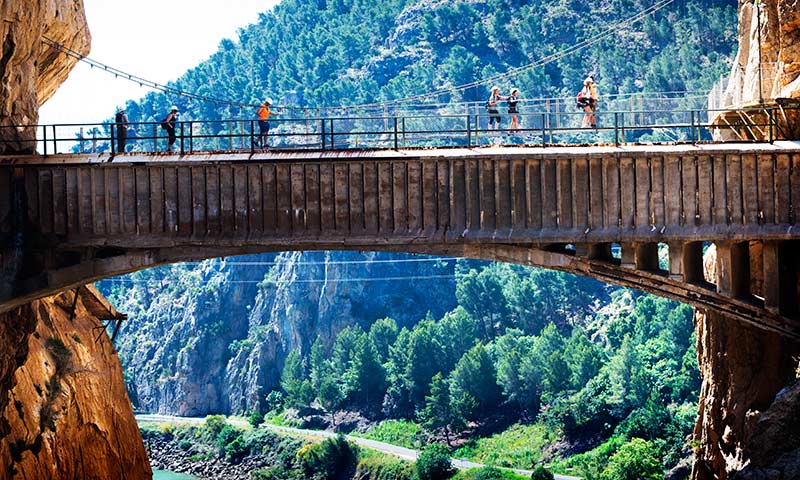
x: 404, y: 453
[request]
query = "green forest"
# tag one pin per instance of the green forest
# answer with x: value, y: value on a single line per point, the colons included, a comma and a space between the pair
x: 523, y: 344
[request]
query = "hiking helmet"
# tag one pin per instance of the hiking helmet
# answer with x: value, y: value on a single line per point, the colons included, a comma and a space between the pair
x: 174, y: 108
x: 495, y: 88
x: 268, y: 101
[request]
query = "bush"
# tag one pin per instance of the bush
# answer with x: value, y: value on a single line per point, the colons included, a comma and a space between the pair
x: 214, y: 424
x: 227, y: 435
x: 256, y: 419
x: 236, y: 450
x: 434, y: 463
x: 488, y: 473
x: 377, y: 466
x: 636, y: 460
x: 541, y: 473
x: 329, y: 459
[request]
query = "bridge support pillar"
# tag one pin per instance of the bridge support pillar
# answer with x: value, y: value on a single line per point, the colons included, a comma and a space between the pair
x: 686, y: 261
x: 646, y: 256
x: 599, y: 251
x: 780, y: 278
x: 733, y: 269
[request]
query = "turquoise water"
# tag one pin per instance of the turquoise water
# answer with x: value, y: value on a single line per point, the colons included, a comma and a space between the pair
x: 167, y: 475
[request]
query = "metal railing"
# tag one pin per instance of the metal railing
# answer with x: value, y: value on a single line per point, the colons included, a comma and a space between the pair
x: 408, y: 131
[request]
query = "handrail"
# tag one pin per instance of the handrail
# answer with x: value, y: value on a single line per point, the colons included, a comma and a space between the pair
x: 544, y: 128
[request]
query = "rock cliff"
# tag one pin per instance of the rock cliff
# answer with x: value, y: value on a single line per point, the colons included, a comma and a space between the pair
x: 30, y: 72
x: 215, y: 342
x: 64, y: 412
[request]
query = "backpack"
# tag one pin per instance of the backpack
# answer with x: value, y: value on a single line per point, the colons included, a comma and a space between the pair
x: 582, y: 99
x: 164, y: 123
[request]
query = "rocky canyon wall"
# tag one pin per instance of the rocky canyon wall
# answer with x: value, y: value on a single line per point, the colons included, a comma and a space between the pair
x: 30, y: 72
x: 64, y: 411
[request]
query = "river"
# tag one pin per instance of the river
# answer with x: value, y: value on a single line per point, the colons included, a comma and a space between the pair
x: 167, y: 475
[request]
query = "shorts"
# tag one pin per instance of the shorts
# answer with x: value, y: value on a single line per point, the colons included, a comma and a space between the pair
x: 494, y: 116
x: 263, y: 126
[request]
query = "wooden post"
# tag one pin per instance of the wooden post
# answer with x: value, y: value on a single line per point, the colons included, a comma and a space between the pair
x: 733, y: 269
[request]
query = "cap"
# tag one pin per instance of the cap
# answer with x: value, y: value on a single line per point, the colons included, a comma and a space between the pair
x: 174, y: 108
x: 120, y: 109
x: 495, y: 88
x: 268, y: 101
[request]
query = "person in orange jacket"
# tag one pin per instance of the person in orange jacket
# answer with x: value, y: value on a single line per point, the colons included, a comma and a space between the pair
x: 263, y: 121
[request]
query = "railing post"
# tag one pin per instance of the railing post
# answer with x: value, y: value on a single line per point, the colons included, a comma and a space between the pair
x: 692, y: 120
x: 622, y: 126
x: 395, y: 133
x: 616, y: 129
x: 182, y: 150
x: 770, y: 119
x: 252, y: 137
x: 322, y: 132
x: 544, y: 126
x: 44, y: 139
x: 191, y: 137
x: 403, y: 130
x: 469, y: 132
x: 113, y: 137
x: 155, y: 138
x: 55, y: 140
x: 80, y: 142
x: 230, y: 135
x: 477, y: 129
x: 333, y: 139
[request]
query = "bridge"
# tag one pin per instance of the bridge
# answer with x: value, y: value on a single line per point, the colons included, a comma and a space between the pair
x: 605, y: 212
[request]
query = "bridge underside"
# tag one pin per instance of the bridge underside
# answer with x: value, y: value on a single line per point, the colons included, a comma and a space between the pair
x: 602, y: 213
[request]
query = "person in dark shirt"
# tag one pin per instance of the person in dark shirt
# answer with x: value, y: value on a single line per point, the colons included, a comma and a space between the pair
x: 121, y: 121
x: 169, y: 125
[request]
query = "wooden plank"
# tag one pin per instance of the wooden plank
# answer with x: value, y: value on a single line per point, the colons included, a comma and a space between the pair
x: 503, y: 194
x: 766, y: 188
x: 113, y: 202
x: 171, y: 200
x: 226, y: 201
x: 184, y: 201
x: 487, y: 196
x: 385, y: 197
x: 157, y: 199
x: 657, y: 186
x: 98, y: 200
x: 549, y: 194
x: 6, y: 199
x: 580, y: 198
x: 415, y: 207
x: 341, y: 196
x: 241, y: 198
x: 32, y: 194
x: 127, y: 196
x: 46, y: 200
x: 473, y: 195
x: 371, y: 213
x: 458, y: 195
x: 596, y: 193
x: 705, y: 190
x: 535, y: 205
x: 733, y: 188
x: 312, y: 197
x: 400, y: 196
x: 719, y: 167
x: 59, y: 200
x: 298, y: 179
x: 326, y: 198
x: 356, y: 198
x: 564, y: 193
x: 199, y: 202
x: 641, y: 167
x: 283, y: 184
x: 255, y: 196
x: 689, y: 191
x: 673, y: 187
x: 750, y: 189
x: 142, y: 178
x: 270, y: 198
x: 628, y: 192
x: 443, y: 194
x: 782, y: 188
x: 519, y: 189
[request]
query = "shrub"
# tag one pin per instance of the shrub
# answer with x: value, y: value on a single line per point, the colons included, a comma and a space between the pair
x: 227, y: 435
x: 329, y: 459
x: 488, y: 473
x: 185, y: 444
x: 214, y: 424
x: 256, y: 419
x: 636, y: 460
x: 236, y: 450
x: 541, y: 473
x: 434, y: 463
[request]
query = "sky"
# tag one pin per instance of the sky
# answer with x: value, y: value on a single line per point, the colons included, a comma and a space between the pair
x: 154, y: 39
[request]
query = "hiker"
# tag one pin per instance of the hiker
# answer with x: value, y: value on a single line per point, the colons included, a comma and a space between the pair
x: 587, y: 99
x: 168, y: 124
x: 263, y: 122
x: 512, y: 101
x: 491, y: 106
x: 121, y: 120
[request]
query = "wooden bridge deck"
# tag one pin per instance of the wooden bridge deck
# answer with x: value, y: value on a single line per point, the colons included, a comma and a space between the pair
x: 68, y: 219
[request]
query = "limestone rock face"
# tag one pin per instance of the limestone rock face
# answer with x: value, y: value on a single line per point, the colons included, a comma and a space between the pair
x: 30, y: 72
x: 64, y: 411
